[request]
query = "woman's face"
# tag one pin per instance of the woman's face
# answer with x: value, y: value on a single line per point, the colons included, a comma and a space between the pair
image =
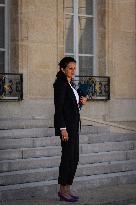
x: 70, y: 70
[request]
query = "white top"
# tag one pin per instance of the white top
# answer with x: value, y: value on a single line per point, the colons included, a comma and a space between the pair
x: 75, y: 93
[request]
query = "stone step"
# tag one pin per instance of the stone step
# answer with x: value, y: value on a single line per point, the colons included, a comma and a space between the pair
x: 44, y: 174
x: 7, y: 144
x: 111, y: 137
x: 34, y: 142
x: 24, y: 153
x: 18, y: 123
x: 50, y: 188
x: 25, y: 142
x: 48, y: 132
x: 29, y: 142
x: 42, y: 132
x: 11, y: 124
x: 108, y: 146
x: 87, y: 129
x: 24, y: 133
x: 45, y: 162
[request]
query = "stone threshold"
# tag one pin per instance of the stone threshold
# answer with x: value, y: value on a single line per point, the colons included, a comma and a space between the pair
x: 107, y: 123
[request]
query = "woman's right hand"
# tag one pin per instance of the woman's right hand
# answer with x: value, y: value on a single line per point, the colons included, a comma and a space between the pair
x: 83, y: 100
x: 64, y: 134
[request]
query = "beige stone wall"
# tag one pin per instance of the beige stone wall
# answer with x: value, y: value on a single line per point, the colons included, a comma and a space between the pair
x: 121, y: 58
x: 121, y: 47
x: 60, y: 29
x: 38, y: 45
x: 101, y: 36
x: 116, y: 57
x: 35, y: 28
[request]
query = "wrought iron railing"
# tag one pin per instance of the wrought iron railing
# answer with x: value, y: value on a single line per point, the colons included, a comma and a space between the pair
x: 11, y: 87
x: 94, y: 87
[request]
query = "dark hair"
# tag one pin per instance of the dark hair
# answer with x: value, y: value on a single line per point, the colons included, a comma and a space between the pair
x: 65, y: 61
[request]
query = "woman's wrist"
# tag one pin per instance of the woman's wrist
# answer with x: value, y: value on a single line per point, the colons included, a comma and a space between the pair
x: 64, y: 128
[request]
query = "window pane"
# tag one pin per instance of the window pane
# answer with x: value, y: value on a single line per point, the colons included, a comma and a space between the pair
x: 2, y: 1
x: 85, y: 65
x: 85, y: 35
x: 68, y: 5
x: 71, y: 55
x: 69, y: 42
x: 86, y: 7
x: 1, y: 61
x: 2, y: 21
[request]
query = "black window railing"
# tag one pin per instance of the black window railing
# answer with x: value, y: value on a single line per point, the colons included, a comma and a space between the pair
x: 11, y: 87
x: 94, y: 87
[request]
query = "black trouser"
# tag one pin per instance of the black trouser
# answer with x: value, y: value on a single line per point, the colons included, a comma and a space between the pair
x: 69, y: 160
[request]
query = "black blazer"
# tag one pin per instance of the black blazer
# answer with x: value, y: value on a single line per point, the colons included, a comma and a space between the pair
x: 66, y: 107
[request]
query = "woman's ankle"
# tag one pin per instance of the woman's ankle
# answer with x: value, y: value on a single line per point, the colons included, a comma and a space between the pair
x: 62, y: 189
x: 68, y: 189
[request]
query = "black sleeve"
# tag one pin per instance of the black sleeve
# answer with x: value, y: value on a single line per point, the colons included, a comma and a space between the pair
x: 59, y: 98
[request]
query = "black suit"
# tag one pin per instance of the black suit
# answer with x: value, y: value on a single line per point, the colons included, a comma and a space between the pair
x: 66, y: 115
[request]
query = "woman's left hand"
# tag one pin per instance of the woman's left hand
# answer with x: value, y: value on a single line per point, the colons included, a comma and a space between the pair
x: 83, y: 100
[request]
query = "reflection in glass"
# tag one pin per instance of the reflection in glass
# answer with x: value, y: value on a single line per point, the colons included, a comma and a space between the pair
x: 68, y: 5
x: 2, y: 27
x: 69, y: 40
x: 86, y: 7
x: 85, y: 35
x: 1, y: 61
x: 85, y: 65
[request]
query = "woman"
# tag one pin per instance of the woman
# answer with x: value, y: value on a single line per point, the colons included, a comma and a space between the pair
x: 66, y: 122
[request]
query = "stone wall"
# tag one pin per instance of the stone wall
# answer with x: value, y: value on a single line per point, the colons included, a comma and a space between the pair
x: 121, y: 58
x: 35, y: 33
x: 116, y: 57
x: 38, y: 45
x: 101, y: 37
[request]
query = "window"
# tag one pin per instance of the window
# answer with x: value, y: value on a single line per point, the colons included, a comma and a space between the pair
x: 79, y: 34
x: 4, y: 42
